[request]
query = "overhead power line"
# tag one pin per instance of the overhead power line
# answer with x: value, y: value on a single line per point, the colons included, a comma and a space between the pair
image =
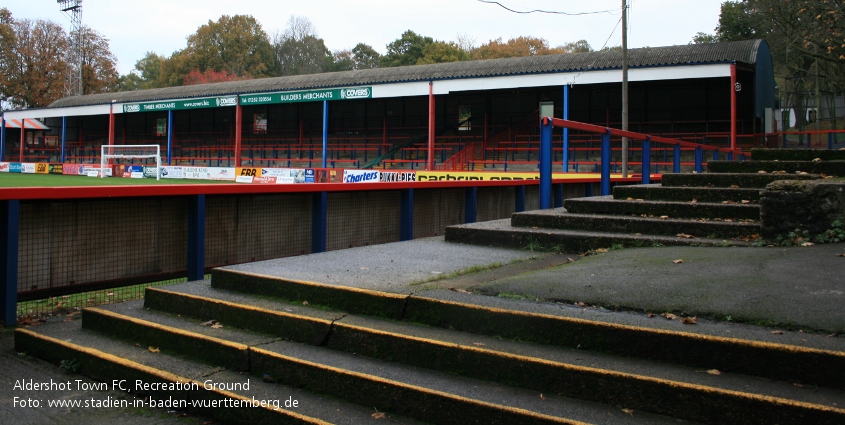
x: 553, y: 12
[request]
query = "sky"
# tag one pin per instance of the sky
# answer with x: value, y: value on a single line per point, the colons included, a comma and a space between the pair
x: 134, y: 28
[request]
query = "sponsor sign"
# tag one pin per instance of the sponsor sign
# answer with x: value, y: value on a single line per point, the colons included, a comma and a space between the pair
x: 309, y: 175
x: 15, y: 167
x: 93, y: 173
x: 136, y: 174
x: 253, y: 172
x: 130, y: 171
x: 221, y: 173
x: 195, y: 173
x: 394, y: 176
x: 57, y: 169
x: 73, y: 169
x: 307, y: 96
x: 4, y: 167
x: 42, y: 168
x: 360, y: 176
x: 205, y: 102
x: 243, y: 179
x: 285, y: 175
x: 480, y: 175
x: 28, y: 168
x: 264, y: 180
x: 171, y: 172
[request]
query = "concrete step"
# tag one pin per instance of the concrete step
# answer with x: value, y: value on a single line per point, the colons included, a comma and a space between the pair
x: 111, y: 360
x: 558, y: 218
x: 829, y: 168
x: 685, y: 194
x: 760, y: 154
x: 608, y: 205
x: 740, y: 180
x: 500, y: 233
x: 677, y: 391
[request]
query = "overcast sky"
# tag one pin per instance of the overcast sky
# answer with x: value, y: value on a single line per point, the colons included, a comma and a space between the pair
x: 162, y: 26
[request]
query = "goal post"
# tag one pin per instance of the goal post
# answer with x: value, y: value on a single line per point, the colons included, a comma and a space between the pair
x: 108, y: 152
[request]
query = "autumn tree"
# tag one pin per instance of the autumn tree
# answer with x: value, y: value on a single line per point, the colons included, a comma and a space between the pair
x: 515, y: 47
x: 406, y: 50
x: 234, y: 44
x: 442, y: 51
x: 207, y: 77
x: 580, y: 46
x: 33, y: 70
x: 299, y: 50
x: 99, y: 73
x: 365, y: 57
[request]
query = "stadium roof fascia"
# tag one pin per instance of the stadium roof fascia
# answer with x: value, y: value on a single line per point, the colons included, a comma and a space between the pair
x: 742, y: 52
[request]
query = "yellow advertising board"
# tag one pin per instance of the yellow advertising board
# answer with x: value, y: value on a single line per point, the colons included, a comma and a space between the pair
x: 423, y: 176
x: 42, y: 168
x: 248, y: 172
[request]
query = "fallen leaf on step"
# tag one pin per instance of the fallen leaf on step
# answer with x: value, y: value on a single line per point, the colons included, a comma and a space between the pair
x: 801, y: 173
x: 208, y: 323
x: 629, y: 411
x: 630, y: 199
x: 777, y: 332
x: 840, y: 255
x: 153, y: 349
x: 745, y: 201
x: 569, y: 259
x: 762, y: 172
x: 817, y: 160
x: 685, y: 236
x: 542, y: 397
x: 305, y: 303
x: 479, y: 344
x: 694, y: 201
x: 601, y: 250
x: 689, y: 320
x: 378, y: 415
x: 733, y: 186
x: 807, y: 244
x: 664, y: 217
x: 669, y: 316
x: 650, y: 314
x: 678, y: 261
x: 714, y: 372
x: 462, y: 291
x: 729, y: 202
x: 216, y: 326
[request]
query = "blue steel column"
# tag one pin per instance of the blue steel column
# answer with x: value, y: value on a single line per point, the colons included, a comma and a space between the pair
x: 169, y: 135
x: 470, y: 204
x: 676, y: 157
x: 605, y: 163
x: 196, y: 237
x: 545, y: 163
x: 699, y: 157
x: 64, y: 138
x: 646, y: 160
x: 566, y: 130
x: 319, y: 221
x: 519, y: 201
x: 9, y: 219
x: 406, y: 215
x: 325, y: 130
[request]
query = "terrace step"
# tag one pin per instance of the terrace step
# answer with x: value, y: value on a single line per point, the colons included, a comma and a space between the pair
x: 830, y: 168
x: 559, y: 219
x: 740, y: 180
x: 608, y: 205
x: 685, y: 194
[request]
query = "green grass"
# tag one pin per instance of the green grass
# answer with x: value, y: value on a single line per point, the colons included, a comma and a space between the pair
x: 59, y: 180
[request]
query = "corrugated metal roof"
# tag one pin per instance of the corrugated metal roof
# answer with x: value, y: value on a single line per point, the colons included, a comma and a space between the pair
x: 739, y: 51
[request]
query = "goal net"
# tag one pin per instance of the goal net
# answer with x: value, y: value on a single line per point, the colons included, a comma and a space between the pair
x: 108, y: 153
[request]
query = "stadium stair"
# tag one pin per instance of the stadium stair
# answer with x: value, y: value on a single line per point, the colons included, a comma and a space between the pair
x: 349, y: 355
x: 716, y: 208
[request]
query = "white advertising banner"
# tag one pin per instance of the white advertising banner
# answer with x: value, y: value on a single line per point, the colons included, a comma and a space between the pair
x: 360, y: 176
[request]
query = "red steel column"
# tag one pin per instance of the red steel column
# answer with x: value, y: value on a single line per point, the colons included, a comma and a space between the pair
x: 23, y: 130
x: 430, y: 161
x: 238, y: 131
x: 733, y: 106
x: 111, y: 124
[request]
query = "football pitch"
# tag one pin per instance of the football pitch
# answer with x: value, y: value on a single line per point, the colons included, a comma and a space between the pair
x: 59, y: 180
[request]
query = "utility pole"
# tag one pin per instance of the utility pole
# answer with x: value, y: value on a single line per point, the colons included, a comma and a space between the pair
x: 73, y: 10
x: 624, y: 87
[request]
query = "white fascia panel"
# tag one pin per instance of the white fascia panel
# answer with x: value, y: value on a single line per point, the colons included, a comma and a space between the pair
x: 73, y: 111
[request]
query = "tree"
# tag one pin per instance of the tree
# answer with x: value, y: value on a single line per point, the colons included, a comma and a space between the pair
x: 515, y: 47
x: 149, y: 69
x: 365, y: 57
x: 299, y: 50
x: 704, y: 38
x: 99, y: 74
x: 406, y: 50
x: 234, y: 44
x: 580, y: 46
x: 33, y: 70
x: 442, y: 51
x: 207, y: 77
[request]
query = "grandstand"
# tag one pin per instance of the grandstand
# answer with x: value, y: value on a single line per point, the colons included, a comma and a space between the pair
x: 476, y: 115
